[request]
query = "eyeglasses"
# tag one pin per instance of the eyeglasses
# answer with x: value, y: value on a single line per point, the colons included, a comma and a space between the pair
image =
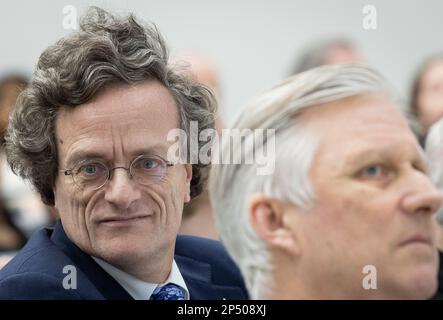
x: 91, y: 175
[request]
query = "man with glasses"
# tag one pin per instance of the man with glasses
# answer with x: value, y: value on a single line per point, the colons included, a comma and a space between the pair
x: 90, y: 133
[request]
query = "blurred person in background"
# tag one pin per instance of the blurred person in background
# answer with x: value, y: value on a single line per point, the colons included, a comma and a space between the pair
x: 30, y: 213
x: 349, y: 194
x: 198, y: 219
x: 336, y: 50
x: 10, y: 87
x: 426, y: 101
x: 12, y: 238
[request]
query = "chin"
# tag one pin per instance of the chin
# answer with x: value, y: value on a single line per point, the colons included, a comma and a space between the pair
x: 421, y: 283
x: 425, y: 284
x: 122, y: 251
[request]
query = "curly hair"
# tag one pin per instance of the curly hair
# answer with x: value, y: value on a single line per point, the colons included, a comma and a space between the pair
x: 105, y: 50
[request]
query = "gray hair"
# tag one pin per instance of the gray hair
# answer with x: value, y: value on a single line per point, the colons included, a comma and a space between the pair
x: 434, y: 154
x: 106, y: 50
x: 232, y: 185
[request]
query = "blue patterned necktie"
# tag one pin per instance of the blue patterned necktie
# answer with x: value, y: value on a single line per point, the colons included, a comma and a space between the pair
x: 169, y: 291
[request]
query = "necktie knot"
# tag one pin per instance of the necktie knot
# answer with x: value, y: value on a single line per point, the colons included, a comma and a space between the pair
x: 169, y: 291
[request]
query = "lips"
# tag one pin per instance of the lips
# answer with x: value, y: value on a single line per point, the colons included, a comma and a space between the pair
x: 418, y: 239
x: 124, y: 219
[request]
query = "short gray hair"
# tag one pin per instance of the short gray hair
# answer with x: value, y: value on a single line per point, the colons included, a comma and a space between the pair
x: 232, y: 185
x: 106, y: 50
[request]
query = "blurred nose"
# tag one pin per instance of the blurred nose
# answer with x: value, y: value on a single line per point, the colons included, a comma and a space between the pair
x: 121, y: 190
x: 423, y: 197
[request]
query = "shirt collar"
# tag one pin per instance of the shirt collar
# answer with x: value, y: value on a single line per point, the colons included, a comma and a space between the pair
x: 138, y: 289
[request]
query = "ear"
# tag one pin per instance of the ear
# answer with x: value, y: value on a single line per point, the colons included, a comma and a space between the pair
x: 56, y: 186
x: 188, y: 170
x: 268, y: 218
x: 54, y: 191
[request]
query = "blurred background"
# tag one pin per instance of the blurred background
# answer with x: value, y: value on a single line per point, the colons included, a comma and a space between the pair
x: 253, y: 44
x: 237, y: 48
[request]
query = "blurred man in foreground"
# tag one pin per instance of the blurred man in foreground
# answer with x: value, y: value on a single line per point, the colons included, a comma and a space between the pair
x: 347, y: 212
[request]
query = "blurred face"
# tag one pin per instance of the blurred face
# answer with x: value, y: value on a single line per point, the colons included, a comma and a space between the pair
x: 342, y: 54
x: 10, y: 92
x: 430, y: 97
x: 124, y: 222
x: 374, y: 204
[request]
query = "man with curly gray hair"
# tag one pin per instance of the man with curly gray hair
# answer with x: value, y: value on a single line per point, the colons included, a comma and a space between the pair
x: 90, y: 134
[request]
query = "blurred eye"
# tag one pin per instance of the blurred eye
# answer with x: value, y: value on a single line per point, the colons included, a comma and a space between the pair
x: 372, y: 171
x: 375, y: 171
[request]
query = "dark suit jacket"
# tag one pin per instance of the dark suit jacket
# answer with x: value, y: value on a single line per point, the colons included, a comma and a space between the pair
x: 439, y: 294
x: 36, y: 272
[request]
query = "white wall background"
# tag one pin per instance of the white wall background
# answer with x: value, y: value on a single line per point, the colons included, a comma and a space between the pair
x: 254, y: 43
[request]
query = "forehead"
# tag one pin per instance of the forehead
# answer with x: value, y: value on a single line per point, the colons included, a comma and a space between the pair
x: 357, y: 127
x: 120, y: 117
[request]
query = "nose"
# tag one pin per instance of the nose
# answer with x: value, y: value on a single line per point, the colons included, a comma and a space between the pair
x: 121, y: 190
x: 424, y: 198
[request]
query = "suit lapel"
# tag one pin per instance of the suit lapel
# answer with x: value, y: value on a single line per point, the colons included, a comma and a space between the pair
x: 104, y: 283
x: 197, y: 276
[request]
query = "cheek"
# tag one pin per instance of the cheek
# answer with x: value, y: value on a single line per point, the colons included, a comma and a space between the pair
x: 168, y: 201
x: 366, y: 214
x: 72, y: 204
x: 351, y: 218
x: 178, y: 188
x: 72, y: 211
x: 431, y: 108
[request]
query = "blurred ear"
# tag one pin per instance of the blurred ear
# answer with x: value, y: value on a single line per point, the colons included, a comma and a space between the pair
x: 54, y: 190
x: 267, y: 217
x: 188, y: 170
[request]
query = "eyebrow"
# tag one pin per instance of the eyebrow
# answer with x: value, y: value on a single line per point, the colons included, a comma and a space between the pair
x: 82, y: 155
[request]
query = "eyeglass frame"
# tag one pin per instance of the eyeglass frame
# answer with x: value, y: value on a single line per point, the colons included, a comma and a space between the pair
x: 70, y: 172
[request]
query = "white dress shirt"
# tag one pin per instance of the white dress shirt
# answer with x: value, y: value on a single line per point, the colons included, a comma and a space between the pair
x: 138, y: 289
